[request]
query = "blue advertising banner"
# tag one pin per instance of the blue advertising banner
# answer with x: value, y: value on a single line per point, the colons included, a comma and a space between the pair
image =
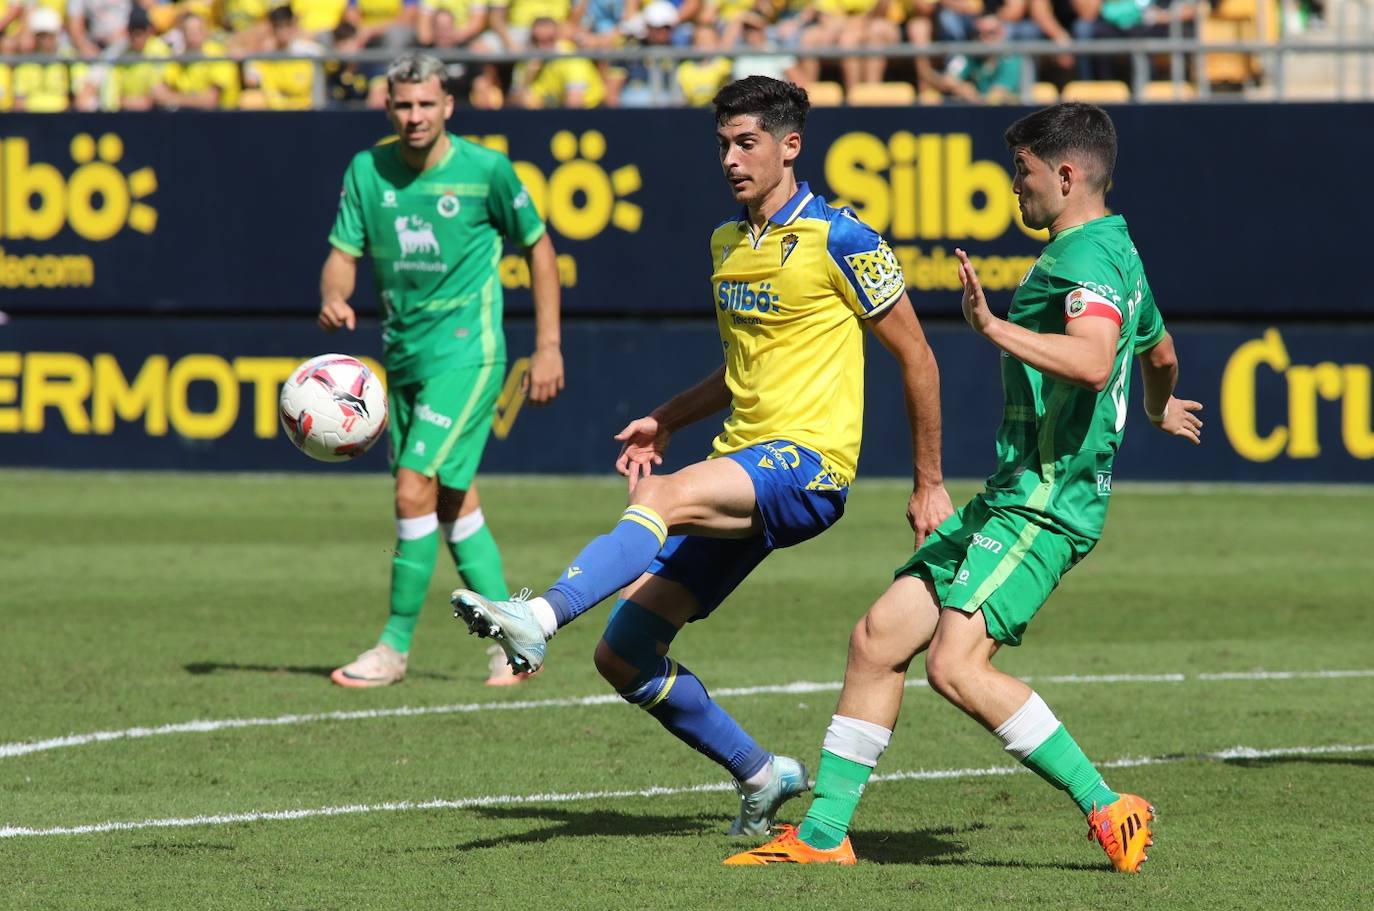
x: 1283, y: 402
x: 224, y: 213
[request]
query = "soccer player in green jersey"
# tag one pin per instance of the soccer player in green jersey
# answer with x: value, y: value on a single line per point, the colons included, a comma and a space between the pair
x: 431, y: 210
x: 1067, y: 343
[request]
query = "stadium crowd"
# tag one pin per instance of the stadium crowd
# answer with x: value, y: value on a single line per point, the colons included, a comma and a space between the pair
x: 111, y: 54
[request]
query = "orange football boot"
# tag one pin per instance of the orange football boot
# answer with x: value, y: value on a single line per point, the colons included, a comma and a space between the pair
x: 787, y: 848
x: 1122, y: 829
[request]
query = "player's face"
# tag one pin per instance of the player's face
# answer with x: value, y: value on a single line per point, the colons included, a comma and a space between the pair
x: 753, y: 160
x: 418, y: 111
x: 1038, y: 189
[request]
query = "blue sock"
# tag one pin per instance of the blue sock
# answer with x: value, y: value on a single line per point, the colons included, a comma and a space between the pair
x: 674, y: 696
x: 608, y: 564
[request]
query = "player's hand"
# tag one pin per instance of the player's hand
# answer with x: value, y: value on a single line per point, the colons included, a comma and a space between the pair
x: 975, y: 302
x: 645, y: 442
x: 336, y: 314
x: 1181, y: 421
x: 927, y: 508
x: 544, y: 379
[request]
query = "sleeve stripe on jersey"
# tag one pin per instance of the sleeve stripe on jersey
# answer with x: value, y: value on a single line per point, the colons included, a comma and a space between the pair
x: 1096, y: 309
x: 883, y: 307
x: 345, y: 246
x: 1081, y: 302
x: 1152, y: 341
x: 535, y: 233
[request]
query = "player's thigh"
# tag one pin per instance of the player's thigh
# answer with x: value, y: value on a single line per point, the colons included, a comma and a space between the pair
x: 450, y: 423
x: 714, y: 497
x: 1012, y: 566
x: 898, y: 626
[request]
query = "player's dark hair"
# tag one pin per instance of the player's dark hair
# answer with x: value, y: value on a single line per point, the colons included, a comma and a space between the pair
x: 780, y: 107
x: 1064, y: 130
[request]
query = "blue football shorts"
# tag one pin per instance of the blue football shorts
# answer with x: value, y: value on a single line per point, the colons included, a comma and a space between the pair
x: 798, y: 500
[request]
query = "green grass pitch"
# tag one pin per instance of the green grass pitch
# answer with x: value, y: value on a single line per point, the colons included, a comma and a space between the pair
x: 143, y: 600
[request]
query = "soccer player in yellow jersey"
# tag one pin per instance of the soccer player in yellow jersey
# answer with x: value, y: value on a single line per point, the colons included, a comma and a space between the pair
x: 794, y: 282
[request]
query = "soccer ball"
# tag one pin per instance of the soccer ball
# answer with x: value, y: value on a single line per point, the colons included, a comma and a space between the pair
x: 333, y: 407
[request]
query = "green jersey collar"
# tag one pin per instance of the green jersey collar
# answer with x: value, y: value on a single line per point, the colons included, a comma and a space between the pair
x: 1113, y: 220
x: 448, y: 156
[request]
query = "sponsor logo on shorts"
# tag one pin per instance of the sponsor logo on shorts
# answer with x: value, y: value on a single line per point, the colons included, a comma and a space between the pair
x: 430, y: 416
x: 987, y: 543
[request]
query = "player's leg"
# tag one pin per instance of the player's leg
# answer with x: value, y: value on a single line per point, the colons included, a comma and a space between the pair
x: 478, y: 561
x: 714, y: 498
x: 417, y: 543
x: 698, y: 573
x: 1006, y: 585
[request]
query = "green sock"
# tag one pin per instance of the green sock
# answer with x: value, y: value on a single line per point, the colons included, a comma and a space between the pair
x: 1061, y: 762
x: 839, y: 785
x: 479, y: 562
x: 411, y: 569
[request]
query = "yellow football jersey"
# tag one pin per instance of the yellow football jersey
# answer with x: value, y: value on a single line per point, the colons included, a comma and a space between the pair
x: 789, y: 302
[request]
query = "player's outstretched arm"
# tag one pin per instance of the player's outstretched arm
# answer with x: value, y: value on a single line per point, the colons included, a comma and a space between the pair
x: 900, y: 332
x: 1159, y: 369
x: 646, y: 439
x: 545, y: 378
x: 337, y: 280
x: 1083, y: 355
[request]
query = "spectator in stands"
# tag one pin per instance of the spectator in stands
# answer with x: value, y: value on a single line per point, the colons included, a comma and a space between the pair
x: 920, y: 32
x: 346, y: 84
x: 319, y: 18
x: 514, y: 23
x: 994, y: 77
x: 129, y: 85
x: 285, y: 85
x: 850, y: 24
x: 384, y: 23
x: 792, y: 19
x: 957, y: 20
x: 757, y: 57
x: 650, y: 83
x: 1126, y: 19
x: 43, y: 88
x: 467, y: 22
x: 97, y: 24
x: 567, y: 81
x: 1052, y: 20
x: 599, y: 22
x: 203, y: 85
x: 699, y: 80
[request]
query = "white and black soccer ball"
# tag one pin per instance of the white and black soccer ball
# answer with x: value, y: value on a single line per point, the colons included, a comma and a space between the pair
x: 333, y: 407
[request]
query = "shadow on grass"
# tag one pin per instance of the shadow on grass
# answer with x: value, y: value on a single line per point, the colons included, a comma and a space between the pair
x: 214, y: 667
x: 1259, y: 763
x: 564, y: 823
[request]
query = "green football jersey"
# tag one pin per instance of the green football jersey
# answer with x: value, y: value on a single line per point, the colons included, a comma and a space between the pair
x: 1057, y: 441
x: 435, y: 239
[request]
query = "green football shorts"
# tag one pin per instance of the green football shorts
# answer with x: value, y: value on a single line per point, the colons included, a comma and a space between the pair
x: 439, y: 426
x: 1001, y: 560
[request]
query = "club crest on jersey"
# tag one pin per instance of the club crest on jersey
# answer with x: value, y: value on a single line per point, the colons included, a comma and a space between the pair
x: 789, y: 243
x: 415, y: 235
x: 725, y: 253
x: 1082, y: 302
x: 448, y: 205
x: 389, y: 199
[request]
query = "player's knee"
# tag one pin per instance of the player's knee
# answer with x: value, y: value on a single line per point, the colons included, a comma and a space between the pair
x: 415, y: 495
x: 657, y: 493
x: 951, y: 675
x: 612, y: 668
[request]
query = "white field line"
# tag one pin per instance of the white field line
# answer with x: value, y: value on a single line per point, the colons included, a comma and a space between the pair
x: 220, y: 819
x: 204, y: 726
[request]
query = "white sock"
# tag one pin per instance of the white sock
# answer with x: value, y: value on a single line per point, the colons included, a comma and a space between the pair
x: 1027, y: 728
x: 858, y: 741
x: 465, y: 527
x: 754, y: 783
x: 543, y: 612
x: 417, y: 527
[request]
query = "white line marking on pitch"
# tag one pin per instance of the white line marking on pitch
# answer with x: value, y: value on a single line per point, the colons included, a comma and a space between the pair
x: 203, y: 726
x: 221, y: 819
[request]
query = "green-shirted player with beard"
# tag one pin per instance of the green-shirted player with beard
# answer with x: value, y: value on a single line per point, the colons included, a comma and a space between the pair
x: 433, y: 210
x: 1080, y: 317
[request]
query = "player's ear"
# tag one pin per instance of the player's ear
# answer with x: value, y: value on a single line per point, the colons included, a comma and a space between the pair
x: 791, y: 147
x: 1068, y: 176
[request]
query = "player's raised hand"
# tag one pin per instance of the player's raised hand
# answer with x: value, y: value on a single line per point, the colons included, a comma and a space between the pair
x: 337, y: 314
x: 544, y: 380
x: 1180, y: 419
x: 975, y: 302
x: 928, y: 507
x: 645, y: 442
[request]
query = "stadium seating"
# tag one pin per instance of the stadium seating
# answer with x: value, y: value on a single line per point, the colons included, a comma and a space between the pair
x: 882, y: 94
x: 1099, y: 91
x: 825, y: 94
